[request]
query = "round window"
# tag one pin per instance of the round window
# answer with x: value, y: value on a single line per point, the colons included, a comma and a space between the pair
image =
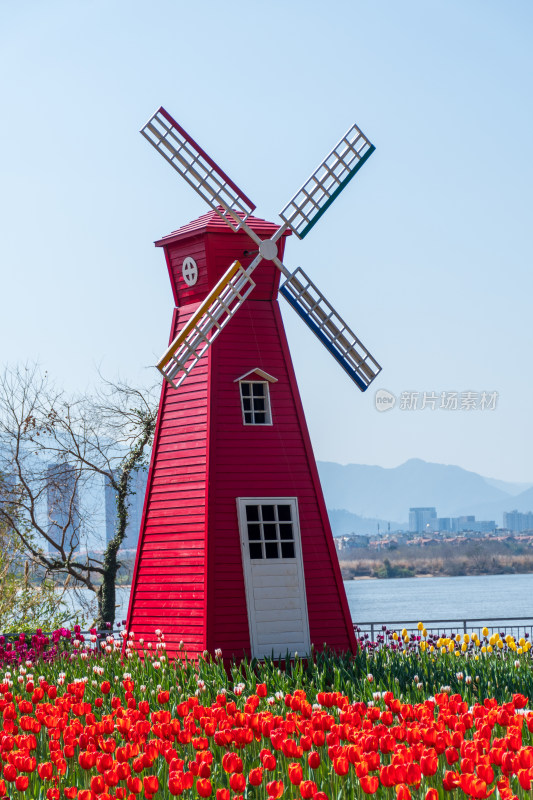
x: 189, y: 271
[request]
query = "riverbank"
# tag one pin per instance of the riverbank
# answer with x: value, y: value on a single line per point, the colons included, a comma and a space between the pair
x: 446, y: 559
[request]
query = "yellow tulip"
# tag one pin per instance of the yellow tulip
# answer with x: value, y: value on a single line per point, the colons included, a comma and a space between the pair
x: 492, y: 640
x: 424, y: 633
x: 485, y: 631
x: 404, y: 632
x: 489, y: 648
x: 443, y: 650
x: 483, y: 649
x: 464, y: 647
x: 466, y: 638
x: 395, y: 636
x: 431, y: 648
x: 451, y: 646
x: 420, y: 626
x: 457, y: 637
x: 521, y: 641
x: 423, y: 646
x: 500, y: 644
x: 406, y: 639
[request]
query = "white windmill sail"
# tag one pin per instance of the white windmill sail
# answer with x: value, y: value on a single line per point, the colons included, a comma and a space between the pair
x: 198, y: 169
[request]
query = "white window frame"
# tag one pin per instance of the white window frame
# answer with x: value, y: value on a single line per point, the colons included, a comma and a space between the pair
x: 242, y: 502
x: 268, y: 407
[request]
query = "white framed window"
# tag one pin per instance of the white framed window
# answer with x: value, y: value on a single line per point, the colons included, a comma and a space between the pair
x: 255, y: 402
x: 270, y: 530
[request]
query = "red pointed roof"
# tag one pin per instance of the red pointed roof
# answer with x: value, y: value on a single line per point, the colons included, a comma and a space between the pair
x: 212, y: 222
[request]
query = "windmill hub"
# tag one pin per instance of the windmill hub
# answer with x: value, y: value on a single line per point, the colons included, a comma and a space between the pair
x: 268, y: 249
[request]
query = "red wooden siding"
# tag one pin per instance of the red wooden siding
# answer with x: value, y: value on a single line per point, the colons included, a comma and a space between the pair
x: 168, y: 589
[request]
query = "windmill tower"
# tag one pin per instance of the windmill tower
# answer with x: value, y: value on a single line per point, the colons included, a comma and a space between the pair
x: 235, y: 548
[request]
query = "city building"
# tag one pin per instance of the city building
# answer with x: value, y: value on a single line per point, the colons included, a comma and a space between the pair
x: 421, y: 519
x: 518, y: 521
x: 64, y: 520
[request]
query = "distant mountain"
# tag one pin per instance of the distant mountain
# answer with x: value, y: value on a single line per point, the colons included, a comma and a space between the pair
x: 344, y: 522
x: 510, y: 488
x: 387, y: 494
x: 521, y: 502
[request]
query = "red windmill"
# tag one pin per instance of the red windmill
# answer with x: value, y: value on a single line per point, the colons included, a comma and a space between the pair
x: 235, y: 548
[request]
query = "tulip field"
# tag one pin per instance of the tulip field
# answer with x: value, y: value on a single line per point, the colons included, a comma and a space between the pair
x: 406, y: 717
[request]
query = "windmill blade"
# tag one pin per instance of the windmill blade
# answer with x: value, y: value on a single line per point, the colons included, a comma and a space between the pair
x: 206, y: 323
x: 311, y: 305
x: 327, y: 182
x: 198, y: 169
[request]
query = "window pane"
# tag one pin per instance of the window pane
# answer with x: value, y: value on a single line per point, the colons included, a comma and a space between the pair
x: 245, y: 390
x: 287, y: 550
x: 254, y: 532
x: 255, y: 551
x: 260, y: 418
x: 271, y: 550
x: 284, y: 513
x: 269, y: 531
x: 252, y: 513
x: 268, y: 513
x: 246, y: 403
x: 248, y: 417
x: 258, y: 389
x: 259, y: 404
x: 285, y: 531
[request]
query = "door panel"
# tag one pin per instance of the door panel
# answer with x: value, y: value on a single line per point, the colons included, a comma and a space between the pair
x: 274, y: 577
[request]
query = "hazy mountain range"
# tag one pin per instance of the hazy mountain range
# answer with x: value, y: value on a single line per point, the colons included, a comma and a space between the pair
x: 363, y: 496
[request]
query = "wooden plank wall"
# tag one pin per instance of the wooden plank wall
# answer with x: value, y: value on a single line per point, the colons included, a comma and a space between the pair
x: 168, y: 590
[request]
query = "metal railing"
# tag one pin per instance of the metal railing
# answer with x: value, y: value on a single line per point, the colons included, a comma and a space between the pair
x: 516, y: 626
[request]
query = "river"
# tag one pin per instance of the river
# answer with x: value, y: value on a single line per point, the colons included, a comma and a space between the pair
x: 404, y: 599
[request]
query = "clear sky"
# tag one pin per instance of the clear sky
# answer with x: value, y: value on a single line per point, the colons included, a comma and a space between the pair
x: 427, y: 254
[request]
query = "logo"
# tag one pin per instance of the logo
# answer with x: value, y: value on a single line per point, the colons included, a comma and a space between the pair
x: 384, y: 400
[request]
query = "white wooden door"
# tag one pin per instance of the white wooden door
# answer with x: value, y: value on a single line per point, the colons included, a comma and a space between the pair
x: 273, y: 575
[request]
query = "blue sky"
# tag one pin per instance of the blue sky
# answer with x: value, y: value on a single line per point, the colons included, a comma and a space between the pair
x: 427, y: 254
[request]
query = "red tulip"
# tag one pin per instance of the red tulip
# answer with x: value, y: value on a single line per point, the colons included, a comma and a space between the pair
x: 432, y: 794
x: 222, y: 794
x: 204, y: 788
x: 255, y: 776
x: 70, y: 792
x: 308, y: 789
x: 151, y: 784
x: 10, y: 773
x: 275, y: 789
x: 237, y: 782
x: 369, y: 784
x: 45, y: 770
x: 402, y: 792
x: 313, y: 759
x: 524, y: 779
x: 97, y: 784
x: 22, y: 783
x: 105, y: 687
x: 295, y: 773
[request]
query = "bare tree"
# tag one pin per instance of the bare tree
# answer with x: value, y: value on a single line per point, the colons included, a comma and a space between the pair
x: 54, y: 446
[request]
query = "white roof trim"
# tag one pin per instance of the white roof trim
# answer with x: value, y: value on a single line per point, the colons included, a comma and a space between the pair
x: 257, y: 371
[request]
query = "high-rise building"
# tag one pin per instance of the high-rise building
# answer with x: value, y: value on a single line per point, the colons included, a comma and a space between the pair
x: 64, y: 520
x: 421, y: 519
x: 135, y: 510
x: 517, y: 521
